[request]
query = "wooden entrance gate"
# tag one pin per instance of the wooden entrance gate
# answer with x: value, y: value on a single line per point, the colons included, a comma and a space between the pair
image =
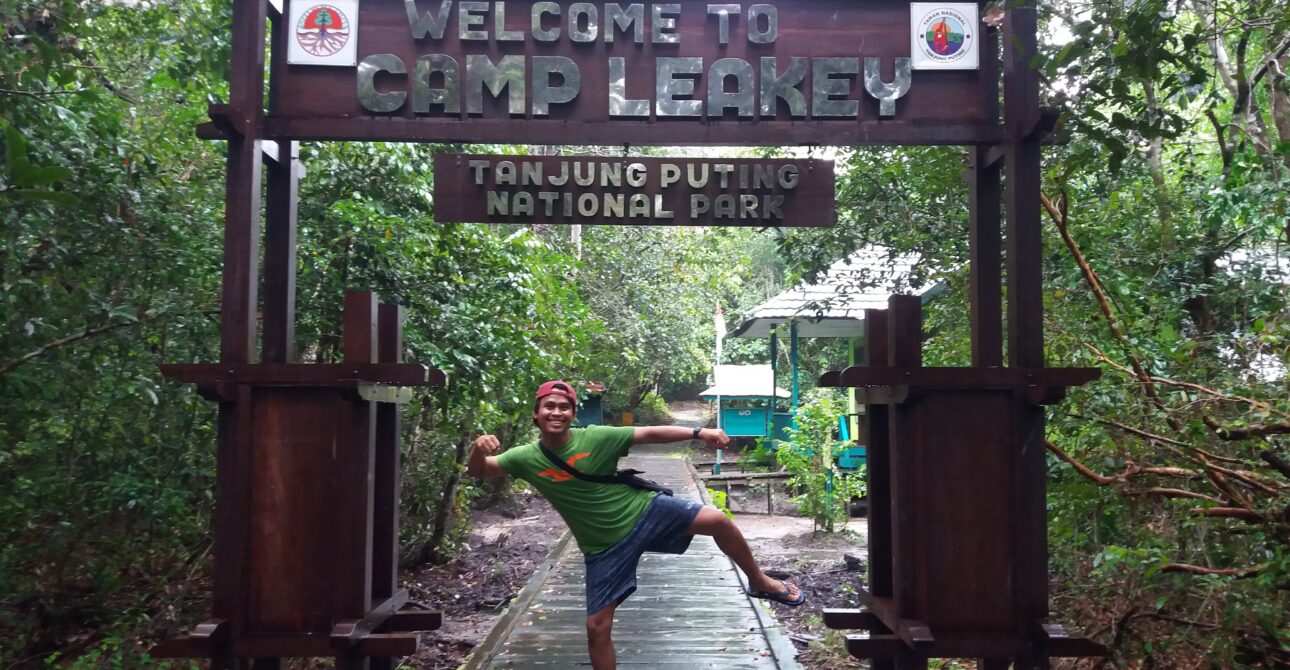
x: 306, y: 493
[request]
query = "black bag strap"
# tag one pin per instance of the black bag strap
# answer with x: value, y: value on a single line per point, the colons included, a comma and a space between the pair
x: 624, y: 477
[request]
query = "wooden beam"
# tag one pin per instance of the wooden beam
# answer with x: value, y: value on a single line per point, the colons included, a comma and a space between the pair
x: 307, y: 374
x: 349, y: 632
x: 1029, y: 529
x: 914, y: 633
x: 206, y: 639
x: 868, y: 132
x: 385, y: 504
x: 1025, y: 246
x: 280, y: 256
x: 853, y: 619
x: 232, y: 122
x: 968, y: 378
x: 985, y: 281
x: 748, y: 476
x: 878, y: 453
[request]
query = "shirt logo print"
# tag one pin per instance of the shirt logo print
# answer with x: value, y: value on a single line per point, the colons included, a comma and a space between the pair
x: 560, y: 476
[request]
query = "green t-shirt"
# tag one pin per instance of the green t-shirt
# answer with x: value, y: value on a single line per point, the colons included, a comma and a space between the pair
x: 598, y: 514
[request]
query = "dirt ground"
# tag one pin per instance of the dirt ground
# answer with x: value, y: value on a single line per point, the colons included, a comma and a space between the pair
x: 508, y: 543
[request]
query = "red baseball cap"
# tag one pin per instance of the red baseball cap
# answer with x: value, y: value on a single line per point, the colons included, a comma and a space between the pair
x: 556, y: 387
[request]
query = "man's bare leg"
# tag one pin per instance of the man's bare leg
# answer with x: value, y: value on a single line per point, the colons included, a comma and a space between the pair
x: 600, y: 643
x: 730, y: 540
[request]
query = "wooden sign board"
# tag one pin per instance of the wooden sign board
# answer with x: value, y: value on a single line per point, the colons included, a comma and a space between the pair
x: 796, y: 72
x: 634, y: 191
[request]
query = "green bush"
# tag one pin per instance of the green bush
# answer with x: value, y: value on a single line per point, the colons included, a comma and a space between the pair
x: 720, y: 500
x: 811, y: 456
x: 652, y: 411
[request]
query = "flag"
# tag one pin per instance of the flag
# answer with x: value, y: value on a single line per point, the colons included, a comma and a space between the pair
x: 720, y: 325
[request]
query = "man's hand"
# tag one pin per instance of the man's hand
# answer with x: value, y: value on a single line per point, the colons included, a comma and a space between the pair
x: 483, y: 457
x: 714, y: 437
x: 488, y: 444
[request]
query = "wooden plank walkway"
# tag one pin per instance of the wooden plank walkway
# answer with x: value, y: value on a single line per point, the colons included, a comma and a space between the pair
x: 689, y: 611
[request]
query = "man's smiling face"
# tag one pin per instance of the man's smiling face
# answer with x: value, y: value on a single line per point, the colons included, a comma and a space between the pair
x: 554, y: 414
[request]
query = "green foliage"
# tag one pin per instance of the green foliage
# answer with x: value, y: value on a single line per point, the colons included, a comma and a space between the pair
x: 718, y: 500
x: 759, y: 457
x: 652, y: 411
x: 1173, y: 180
x: 811, y: 457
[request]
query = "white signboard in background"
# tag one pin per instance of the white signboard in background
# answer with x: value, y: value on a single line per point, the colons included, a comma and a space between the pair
x: 323, y: 32
x: 944, y: 35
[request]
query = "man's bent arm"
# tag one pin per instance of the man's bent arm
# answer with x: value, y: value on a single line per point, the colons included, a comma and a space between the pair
x: 713, y: 437
x: 482, y: 462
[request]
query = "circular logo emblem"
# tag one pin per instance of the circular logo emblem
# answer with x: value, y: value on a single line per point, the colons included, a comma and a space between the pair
x: 323, y: 30
x: 945, y: 35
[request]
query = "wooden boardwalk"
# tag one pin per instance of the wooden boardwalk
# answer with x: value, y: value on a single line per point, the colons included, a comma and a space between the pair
x: 689, y: 611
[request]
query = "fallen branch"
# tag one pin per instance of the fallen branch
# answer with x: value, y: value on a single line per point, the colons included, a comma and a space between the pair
x: 1248, y: 432
x: 1221, y: 483
x: 40, y: 94
x: 1080, y: 467
x: 88, y: 332
x: 1160, y: 438
x: 1095, y: 284
x: 1240, y: 573
x: 1133, y: 470
x: 62, y: 342
x: 1276, y: 462
x: 1172, y: 493
x: 1250, y: 478
x: 1217, y: 394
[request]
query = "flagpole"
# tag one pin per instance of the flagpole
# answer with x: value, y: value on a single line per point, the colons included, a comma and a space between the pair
x: 720, y: 329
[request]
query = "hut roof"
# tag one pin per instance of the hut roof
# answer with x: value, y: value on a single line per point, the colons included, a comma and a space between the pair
x: 834, y: 305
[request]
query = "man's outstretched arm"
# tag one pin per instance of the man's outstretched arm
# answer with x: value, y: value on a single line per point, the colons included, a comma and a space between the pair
x: 482, y: 461
x: 713, y: 437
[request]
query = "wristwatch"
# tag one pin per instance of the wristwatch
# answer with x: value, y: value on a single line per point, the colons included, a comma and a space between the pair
x: 695, y: 434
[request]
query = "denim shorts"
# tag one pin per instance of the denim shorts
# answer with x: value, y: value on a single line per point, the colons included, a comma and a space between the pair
x: 611, y: 574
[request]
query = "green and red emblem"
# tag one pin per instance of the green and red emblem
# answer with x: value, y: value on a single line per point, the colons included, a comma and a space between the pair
x: 323, y: 30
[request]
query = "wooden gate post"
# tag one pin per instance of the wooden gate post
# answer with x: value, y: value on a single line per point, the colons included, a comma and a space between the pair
x: 946, y: 498
x: 958, y: 518
x: 315, y: 551
x: 306, y: 501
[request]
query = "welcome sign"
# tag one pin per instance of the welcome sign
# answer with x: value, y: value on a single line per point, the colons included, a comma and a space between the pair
x: 795, y: 72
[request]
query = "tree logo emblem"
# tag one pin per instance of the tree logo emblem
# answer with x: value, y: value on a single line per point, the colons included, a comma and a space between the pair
x: 323, y: 31
x: 944, y: 36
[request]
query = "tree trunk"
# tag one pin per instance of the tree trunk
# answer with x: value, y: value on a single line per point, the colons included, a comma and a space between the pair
x: 1280, y: 103
x: 430, y: 551
x: 1156, y: 166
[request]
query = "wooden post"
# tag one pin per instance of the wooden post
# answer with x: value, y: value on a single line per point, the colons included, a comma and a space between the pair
x: 385, y: 504
x: 878, y: 454
x: 237, y: 317
x: 983, y: 177
x: 282, y: 192
x: 1025, y: 310
x: 280, y: 254
x: 905, y: 350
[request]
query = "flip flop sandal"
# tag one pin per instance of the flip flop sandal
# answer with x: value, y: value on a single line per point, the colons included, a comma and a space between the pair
x: 781, y: 597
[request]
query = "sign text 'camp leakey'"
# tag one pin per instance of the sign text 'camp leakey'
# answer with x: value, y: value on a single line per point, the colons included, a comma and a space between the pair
x: 824, y: 72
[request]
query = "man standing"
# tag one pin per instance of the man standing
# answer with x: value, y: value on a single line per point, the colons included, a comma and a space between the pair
x: 614, y: 523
